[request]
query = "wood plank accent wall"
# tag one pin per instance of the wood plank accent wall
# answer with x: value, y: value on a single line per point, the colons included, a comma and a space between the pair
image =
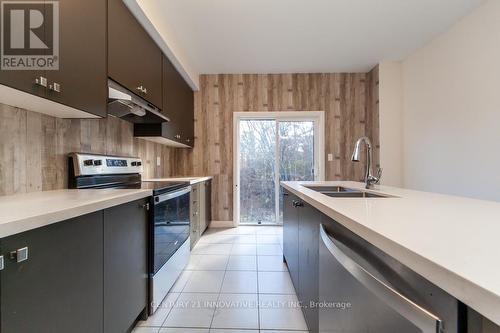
x: 34, y: 148
x: 346, y: 99
x: 372, y: 114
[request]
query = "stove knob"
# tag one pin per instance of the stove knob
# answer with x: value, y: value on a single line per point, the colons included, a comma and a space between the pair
x: 139, y: 163
x: 133, y: 163
x: 88, y: 162
x: 97, y: 162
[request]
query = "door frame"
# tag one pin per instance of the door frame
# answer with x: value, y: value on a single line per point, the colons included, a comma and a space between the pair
x: 318, y: 117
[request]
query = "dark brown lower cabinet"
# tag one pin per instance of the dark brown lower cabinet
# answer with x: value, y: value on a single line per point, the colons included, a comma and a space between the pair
x: 301, y: 251
x: 308, y: 294
x: 125, y: 265
x: 291, y: 236
x: 86, y: 274
x: 59, y: 287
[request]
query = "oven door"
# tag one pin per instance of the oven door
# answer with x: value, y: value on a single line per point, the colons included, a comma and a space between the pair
x: 170, y: 227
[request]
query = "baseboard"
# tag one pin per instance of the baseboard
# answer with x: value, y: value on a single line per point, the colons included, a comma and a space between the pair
x: 221, y: 224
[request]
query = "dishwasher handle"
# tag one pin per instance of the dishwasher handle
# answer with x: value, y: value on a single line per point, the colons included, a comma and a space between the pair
x: 420, y: 317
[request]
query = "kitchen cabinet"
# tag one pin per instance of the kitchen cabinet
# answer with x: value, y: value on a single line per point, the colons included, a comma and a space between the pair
x: 59, y: 287
x: 301, y: 251
x: 86, y: 274
x: 309, y: 222
x: 125, y: 265
x: 178, y: 105
x: 207, y: 201
x: 200, y: 210
x: 194, y: 223
x: 291, y: 236
x: 134, y: 60
x: 81, y: 80
x: 81, y: 77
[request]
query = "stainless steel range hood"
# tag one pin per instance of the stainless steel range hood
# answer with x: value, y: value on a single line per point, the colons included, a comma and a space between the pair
x: 128, y: 106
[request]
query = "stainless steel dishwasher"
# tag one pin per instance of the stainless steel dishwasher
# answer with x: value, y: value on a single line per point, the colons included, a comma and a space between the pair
x: 363, y: 290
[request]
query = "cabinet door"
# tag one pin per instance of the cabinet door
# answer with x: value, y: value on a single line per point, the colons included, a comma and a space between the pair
x: 125, y: 265
x: 208, y: 202
x: 309, y: 222
x: 202, y: 208
x: 25, y: 80
x: 134, y: 60
x: 178, y: 105
x: 187, y: 119
x: 82, y: 74
x: 194, y: 224
x: 59, y: 287
x: 291, y: 236
x: 171, y: 105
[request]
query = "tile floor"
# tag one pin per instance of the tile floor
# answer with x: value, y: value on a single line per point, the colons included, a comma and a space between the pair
x: 235, y: 282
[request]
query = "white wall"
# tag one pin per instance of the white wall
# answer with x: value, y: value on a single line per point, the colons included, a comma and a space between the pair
x: 451, y: 102
x: 391, y: 122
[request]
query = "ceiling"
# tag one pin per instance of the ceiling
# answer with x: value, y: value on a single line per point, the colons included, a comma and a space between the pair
x: 284, y: 36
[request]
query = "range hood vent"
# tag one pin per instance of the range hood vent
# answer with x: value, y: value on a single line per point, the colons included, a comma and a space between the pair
x: 128, y: 106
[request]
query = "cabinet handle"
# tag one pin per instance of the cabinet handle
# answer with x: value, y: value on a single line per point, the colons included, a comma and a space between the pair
x: 145, y: 206
x: 19, y: 255
x: 297, y: 204
x: 2, y: 263
x: 55, y: 87
x: 142, y: 89
x: 177, y: 136
x: 41, y: 81
x: 187, y: 140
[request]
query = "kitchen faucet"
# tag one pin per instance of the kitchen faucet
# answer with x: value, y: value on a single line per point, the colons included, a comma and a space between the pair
x: 370, y: 179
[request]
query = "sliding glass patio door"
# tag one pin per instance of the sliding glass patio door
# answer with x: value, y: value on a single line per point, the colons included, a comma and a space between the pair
x: 270, y: 150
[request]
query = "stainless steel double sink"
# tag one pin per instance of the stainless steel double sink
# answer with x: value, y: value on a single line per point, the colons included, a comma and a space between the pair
x: 344, y: 192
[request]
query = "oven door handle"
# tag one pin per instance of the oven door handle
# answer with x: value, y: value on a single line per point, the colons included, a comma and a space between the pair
x: 420, y: 317
x: 167, y: 196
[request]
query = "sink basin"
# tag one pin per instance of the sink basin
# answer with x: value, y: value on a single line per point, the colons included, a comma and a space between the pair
x: 353, y: 195
x: 344, y: 192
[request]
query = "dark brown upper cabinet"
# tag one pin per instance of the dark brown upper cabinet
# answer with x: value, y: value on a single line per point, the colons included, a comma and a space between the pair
x: 81, y: 78
x: 134, y: 60
x: 80, y: 82
x: 178, y: 105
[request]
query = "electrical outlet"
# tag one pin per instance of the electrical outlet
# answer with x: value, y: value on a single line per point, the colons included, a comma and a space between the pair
x: 158, y: 161
x: 330, y: 157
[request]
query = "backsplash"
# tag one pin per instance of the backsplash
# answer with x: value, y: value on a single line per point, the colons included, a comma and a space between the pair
x: 34, y: 148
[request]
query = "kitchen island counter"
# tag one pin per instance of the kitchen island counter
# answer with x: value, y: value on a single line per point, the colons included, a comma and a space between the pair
x: 451, y: 241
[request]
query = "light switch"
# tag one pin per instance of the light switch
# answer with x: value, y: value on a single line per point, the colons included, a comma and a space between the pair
x: 330, y: 157
x: 158, y: 161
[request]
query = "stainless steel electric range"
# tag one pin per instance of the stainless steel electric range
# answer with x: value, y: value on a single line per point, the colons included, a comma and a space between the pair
x: 169, y: 243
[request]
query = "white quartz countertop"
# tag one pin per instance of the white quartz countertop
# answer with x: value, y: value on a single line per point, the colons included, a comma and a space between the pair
x: 191, y: 180
x: 452, y: 241
x: 22, y: 212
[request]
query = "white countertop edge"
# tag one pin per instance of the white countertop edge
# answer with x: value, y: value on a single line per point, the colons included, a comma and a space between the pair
x: 191, y: 180
x: 480, y: 299
x: 20, y: 225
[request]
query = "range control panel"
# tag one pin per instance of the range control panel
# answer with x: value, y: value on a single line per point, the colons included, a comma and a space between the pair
x: 87, y: 164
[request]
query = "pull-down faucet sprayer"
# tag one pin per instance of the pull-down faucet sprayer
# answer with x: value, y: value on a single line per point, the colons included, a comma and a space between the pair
x: 370, y: 179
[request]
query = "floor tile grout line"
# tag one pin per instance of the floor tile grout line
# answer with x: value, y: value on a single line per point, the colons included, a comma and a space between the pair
x: 258, y: 290
x: 169, y: 310
x: 218, y: 296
